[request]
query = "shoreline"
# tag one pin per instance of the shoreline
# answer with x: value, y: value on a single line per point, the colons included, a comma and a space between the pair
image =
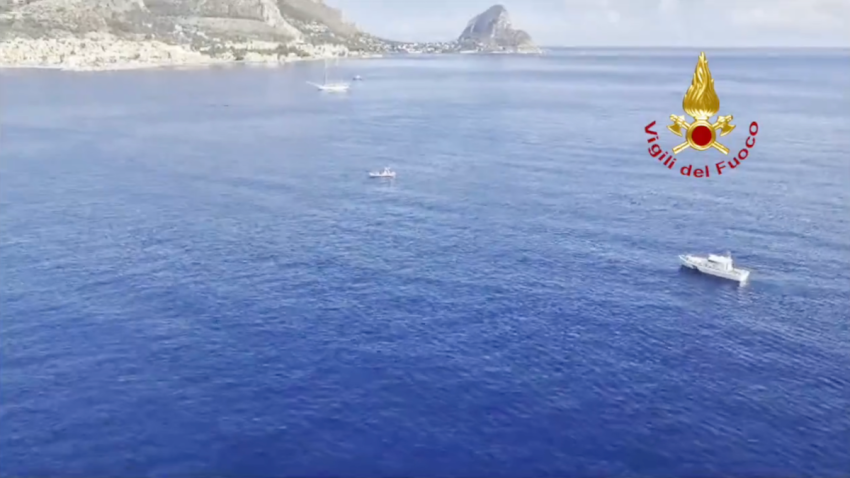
x: 212, y: 63
x: 105, y: 52
x: 200, y: 61
x: 100, y: 52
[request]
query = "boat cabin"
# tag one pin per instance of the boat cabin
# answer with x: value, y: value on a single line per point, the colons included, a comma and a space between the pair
x: 721, y: 262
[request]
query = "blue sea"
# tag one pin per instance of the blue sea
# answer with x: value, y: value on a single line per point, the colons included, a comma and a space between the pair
x: 197, y: 277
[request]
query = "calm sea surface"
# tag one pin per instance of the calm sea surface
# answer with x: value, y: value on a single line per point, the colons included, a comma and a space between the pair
x: 197, y: 278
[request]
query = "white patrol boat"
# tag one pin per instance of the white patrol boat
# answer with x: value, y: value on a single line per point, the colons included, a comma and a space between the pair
x: 718, y: 266
x: 386, y: 173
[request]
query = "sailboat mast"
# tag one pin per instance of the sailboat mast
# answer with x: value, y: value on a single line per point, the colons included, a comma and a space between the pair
x: 326, y: 72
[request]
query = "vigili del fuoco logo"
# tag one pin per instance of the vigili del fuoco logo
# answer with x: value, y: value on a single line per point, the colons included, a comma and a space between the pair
x: 701, y: 103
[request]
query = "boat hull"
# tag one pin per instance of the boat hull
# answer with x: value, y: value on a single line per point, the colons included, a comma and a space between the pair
x: 332, y: 88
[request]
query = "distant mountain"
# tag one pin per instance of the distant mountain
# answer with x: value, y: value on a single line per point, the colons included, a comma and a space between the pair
x: 491, y: 30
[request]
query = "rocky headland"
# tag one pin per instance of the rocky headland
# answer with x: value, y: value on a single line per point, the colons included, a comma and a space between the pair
x: 492, y: 31
x: 117, y: 34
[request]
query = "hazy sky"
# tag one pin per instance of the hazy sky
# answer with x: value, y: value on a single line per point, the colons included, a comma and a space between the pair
x: 619, y: 22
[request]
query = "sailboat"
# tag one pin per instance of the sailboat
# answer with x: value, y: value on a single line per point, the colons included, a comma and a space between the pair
x: 334, y: 86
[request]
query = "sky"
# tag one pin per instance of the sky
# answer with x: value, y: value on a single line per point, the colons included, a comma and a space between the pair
x: 667, y: 23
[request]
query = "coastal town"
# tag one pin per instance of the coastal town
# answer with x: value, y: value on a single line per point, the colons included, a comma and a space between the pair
x: 100, y: 51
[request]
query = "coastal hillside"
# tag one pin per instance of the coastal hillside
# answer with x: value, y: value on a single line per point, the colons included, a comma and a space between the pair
x: 108, y: 34
x: 104, y: 33
x: 265, y: 19
x: 179, y: 21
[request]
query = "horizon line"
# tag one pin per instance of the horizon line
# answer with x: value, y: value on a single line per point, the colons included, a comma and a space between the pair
x: 660, y: 47
x: 666, y: 47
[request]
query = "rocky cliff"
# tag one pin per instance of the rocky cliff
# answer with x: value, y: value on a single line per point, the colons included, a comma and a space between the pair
x: 491, y: 30
x: 245, y: 19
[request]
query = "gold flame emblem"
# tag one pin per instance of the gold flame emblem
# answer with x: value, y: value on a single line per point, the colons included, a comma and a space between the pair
x: 701, y: 102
